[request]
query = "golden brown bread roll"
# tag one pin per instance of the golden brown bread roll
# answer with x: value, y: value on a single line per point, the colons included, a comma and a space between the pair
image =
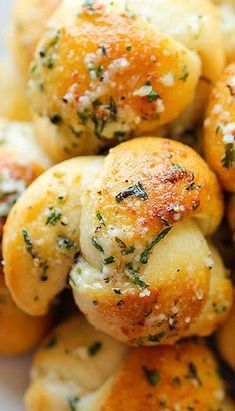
x: 78, y: 368
x: 226, y: 340
x: 19, y: 332
x: 46, y: 233
x: 219, y: 132
x: 97, y: 87
x: 139, y: 221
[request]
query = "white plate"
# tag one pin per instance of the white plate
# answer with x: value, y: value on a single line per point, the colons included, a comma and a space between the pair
x: 13, y: 372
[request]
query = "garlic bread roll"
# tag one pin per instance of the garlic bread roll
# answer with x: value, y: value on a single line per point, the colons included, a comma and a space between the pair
x: 44, y: 227
x: 142, y: 231
x: 14, y: 104
x: 227, y: 15
x: 82, y: 105
x: 29, y: 18
x: 139, y: 222
x: 19, y: 333
x: 78, y: 368
x: 96, y: 86
x: 226, y: 340
x: 219, y: 131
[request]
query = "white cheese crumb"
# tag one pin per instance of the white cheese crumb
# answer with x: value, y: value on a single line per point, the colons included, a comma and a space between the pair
x: 145, y: 293
x: 209, y: 262
x: 168, y: 80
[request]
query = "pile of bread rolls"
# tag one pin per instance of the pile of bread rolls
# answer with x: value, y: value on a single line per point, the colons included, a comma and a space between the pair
x: 117, y: 176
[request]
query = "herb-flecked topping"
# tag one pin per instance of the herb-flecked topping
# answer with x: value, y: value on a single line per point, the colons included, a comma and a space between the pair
x: 109, y: 260
x: 132, y: 274
x: 65, y: 242
x: 228, y: 160
x: 100, y: 218
x: 152, y: 376
x: 145, y: 255
x: 29, y: 244
x: 137, y: 190
x: 94, y: 348
x: 72, y: 403
x: 124, y: 249
x: 185, y: 74
x: 54, y: 215
x: 96, y: 244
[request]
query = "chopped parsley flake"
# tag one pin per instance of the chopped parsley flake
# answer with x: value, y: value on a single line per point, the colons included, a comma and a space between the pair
x: 125, y: 250
x: 157, y: 337
x: 137, y: 190
x: 185, y: 74
x: 104, y: 51
x: 65, y: 242
x: 193, y: 374
x: 72, y: 403
x: 100, y: 218
x: 131, y: 273
x: 147, y: 91
x: 89, y: 4
x: 178, y: 167
x: 152, y: 376
x: 219, y: 309
x: 119, y: 135
x: 96, y: 244
x: 228, y: 159
x: 153, y: 95
x: 192, y: 186
x: 54, y: 216
x: 30, y: 249
x: 29, y: 244
x: 99, y: 71
x: 145, y: 255
x: 109, y: 260
x: 94, y: 348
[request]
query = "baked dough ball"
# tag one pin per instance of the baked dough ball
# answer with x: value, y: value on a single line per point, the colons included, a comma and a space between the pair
x: 19, y: 332
x: 227, y: 15
x: 46, y: 232
x: 139, y: 221
x: 226, y: 340
x: 219, y: 132
x: 78, y: 368
x: 231, y: 213
x: 29, y: 18
x: 92, y: 88
x: 14, y: 104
